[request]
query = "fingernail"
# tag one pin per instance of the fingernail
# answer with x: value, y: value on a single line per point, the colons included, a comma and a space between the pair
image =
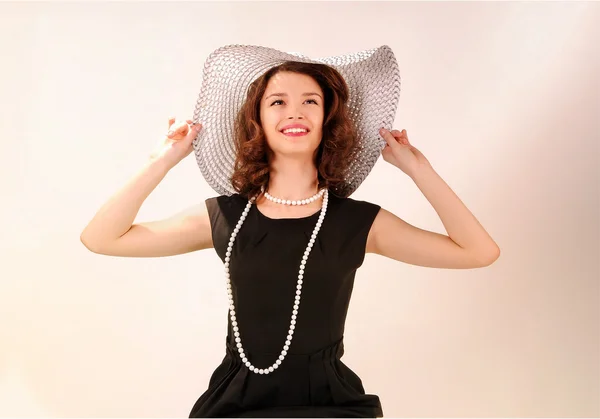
x: 169, y: 134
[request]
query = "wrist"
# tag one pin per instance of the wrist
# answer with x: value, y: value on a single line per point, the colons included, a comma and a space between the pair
x: 421, y: 171
x: 158, y: 165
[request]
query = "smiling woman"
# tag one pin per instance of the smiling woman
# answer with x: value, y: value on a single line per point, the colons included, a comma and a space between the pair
x: 284, y: 225
x: 294, y: 94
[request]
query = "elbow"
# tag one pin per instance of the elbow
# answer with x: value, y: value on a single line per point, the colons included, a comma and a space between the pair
x: 86, y: 242
x: 89, y: 243
x: 488, y: 258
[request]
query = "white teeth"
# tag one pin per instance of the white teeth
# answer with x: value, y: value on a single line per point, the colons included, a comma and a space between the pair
x: 285, y: 131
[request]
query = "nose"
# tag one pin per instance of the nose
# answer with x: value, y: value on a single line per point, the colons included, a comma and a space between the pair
x: 295, y: 113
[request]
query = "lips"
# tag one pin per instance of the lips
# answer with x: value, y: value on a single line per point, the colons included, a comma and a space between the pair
x: 301, y: 126
x: 294, y: 134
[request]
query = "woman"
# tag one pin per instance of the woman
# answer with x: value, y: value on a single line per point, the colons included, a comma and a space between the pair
x: 289, y: 235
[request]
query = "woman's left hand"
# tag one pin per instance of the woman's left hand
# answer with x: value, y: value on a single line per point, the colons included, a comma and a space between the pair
x: 399, y: 152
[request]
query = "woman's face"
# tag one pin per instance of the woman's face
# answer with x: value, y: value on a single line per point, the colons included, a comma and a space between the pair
x: 292, y: 99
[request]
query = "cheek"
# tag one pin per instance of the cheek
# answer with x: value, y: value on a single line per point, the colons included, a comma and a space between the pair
x: 269, y: 122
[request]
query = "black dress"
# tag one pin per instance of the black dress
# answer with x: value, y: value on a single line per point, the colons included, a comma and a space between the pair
x: 311, y: 381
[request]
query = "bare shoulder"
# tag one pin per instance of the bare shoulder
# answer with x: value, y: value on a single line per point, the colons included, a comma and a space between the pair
x: 186, y: 231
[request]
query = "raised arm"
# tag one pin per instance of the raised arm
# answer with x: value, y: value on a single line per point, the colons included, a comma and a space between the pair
x: 467, y: 244
x: 112, y: 232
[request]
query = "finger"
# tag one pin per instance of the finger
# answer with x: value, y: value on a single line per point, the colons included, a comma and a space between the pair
x: 187, y: 127
x: 193, y: 124
x: 191, y: 136
x: 195, y: 129
x: 400, y: 136
x: 183, y: 128
x: 171, y: 128
x: 178, y: 130
x: 389, y: 138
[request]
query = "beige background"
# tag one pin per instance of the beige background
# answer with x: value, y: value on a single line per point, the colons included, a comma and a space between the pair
x: 503, y: 98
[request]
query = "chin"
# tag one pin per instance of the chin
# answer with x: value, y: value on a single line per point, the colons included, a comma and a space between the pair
x: 295, y: 151
x: 293, y: 145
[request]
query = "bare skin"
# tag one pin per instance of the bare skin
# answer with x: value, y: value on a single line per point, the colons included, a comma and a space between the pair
x: 112, y: 230
x: 293, y: 176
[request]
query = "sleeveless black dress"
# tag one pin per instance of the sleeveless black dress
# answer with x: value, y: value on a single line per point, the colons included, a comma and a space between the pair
x: 311, y: 381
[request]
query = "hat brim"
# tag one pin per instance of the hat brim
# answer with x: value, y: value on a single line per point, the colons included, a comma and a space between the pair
x: 373, y: 80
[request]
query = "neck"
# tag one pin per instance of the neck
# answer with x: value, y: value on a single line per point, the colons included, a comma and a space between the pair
x: 292, y: 179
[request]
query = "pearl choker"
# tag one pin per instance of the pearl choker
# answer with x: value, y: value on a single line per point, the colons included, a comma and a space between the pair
x: 236, y: 330
x: 298, y: 202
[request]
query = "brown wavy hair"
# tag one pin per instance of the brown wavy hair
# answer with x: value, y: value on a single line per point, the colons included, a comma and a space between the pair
x: 338, y: 145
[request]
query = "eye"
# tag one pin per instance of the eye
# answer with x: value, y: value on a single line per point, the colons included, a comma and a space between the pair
x: 308, y: 100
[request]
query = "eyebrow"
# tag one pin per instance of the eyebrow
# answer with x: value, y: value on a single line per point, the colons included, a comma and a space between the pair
x: 285, y: 94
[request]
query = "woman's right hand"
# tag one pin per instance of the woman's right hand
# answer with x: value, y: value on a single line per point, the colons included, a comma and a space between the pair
x: 177, y: 143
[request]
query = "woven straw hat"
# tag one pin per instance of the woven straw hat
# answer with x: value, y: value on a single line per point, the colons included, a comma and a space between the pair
x: 372, y: 76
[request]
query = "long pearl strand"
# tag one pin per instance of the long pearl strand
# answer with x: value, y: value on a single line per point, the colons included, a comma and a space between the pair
x: 298, y: 202
x: 298, y: 287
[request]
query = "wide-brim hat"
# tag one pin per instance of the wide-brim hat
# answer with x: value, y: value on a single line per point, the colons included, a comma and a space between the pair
x: 373, y: 79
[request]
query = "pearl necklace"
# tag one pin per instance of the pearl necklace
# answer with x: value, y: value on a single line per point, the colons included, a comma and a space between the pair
x: 298, y: 202
x: 298, y: 287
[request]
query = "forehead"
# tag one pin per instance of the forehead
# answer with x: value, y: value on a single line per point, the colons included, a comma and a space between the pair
x: 286, y: 80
